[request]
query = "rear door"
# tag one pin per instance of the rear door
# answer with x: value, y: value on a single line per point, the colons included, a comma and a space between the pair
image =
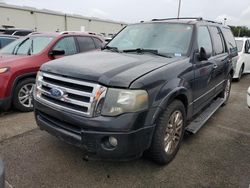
x: 220, y: 59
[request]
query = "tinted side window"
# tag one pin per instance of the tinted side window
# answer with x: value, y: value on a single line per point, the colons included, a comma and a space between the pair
x: 247, y: 46
x: 98, y: 43
x: 5, y: 41
x: 85, y: 44
x: 231, y: 43
x: 22, y: 33
x: 217, y: 41
x: 204, y: 40
x: 67, y: 44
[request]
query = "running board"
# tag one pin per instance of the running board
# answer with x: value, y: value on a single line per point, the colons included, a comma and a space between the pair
x: 199, y: 121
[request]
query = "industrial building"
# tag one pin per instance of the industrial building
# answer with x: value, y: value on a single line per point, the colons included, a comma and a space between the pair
x: 47, y: 20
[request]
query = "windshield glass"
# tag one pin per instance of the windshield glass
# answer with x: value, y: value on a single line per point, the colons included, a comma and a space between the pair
x: 167, y: 38
x: 239, y: 44
x: 27, y: 46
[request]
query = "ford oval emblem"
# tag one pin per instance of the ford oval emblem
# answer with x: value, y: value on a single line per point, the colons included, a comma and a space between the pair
x: 56, y: 93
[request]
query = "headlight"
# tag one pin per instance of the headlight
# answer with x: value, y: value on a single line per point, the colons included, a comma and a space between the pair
x: 3, y: 70
x: 119, y: 101
x: 39, y: 77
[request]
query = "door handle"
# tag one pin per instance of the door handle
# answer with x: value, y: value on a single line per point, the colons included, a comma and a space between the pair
x: 215, y: 66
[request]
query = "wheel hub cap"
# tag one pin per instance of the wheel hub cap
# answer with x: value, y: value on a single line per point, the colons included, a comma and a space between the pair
x: 25, y: 95
x: 173, y: 132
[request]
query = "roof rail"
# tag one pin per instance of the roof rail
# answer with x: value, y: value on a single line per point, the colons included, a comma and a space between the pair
x: 213, y: 21
x: 184, y: 18
x: 34, y: 33
x: 75, y: 32
x: 188, y: 18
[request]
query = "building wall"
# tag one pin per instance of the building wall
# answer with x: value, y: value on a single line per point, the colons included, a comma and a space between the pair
x: 41, y: 20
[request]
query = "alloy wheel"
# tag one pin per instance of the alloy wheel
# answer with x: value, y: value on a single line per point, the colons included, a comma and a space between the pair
x: 173, y: 132
x: 25, y: 95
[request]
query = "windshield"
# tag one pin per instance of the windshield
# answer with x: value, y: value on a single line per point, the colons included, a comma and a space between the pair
x: 167, y: 38
x: 239, y: 44
x: 27, y: 46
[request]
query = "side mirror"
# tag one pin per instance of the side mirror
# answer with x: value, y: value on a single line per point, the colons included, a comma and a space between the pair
x: 202, y: 54
x: 57, y: 53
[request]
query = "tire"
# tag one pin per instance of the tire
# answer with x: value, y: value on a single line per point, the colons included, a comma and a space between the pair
x: 240, y: 73
x: 226, y: 92
x: 160, y: 150
x: 23, y: 95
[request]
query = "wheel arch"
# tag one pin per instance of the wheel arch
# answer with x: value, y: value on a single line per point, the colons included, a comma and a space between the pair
x: 19, y: 79
x: 180, y: 94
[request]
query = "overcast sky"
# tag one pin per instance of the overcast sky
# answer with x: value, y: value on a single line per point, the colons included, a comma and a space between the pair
x: 237, y: 12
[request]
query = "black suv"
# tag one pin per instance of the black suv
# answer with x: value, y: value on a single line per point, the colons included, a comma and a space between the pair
x: 138, y: 95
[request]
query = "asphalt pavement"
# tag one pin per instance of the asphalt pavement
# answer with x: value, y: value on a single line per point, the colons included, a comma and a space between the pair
x: 217, y: 156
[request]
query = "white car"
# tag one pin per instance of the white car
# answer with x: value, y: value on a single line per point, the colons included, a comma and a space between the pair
x: 243, y: 64
x: 248, y: 97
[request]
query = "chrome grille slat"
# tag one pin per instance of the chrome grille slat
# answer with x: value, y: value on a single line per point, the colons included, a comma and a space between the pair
x: 66, y: 99
x: 70, y: 100
x: 69, y: 80
x: 68, y: 90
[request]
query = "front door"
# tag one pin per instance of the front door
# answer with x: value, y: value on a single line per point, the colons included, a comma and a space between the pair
x: 204, y: 71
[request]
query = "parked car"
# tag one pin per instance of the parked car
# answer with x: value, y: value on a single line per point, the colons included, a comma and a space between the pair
x: 248, y: 97
x: 17, y: 32
x: 1, y: 174
x: 152, y: 82
x: 20, y: 61
x: 6, y: 39
x: 243, y: 64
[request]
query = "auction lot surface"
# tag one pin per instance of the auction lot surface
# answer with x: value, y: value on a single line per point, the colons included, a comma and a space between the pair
x: 217, y: 156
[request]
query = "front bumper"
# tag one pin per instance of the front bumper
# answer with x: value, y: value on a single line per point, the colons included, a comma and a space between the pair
x: 5, y: 103
x: 92, y: 133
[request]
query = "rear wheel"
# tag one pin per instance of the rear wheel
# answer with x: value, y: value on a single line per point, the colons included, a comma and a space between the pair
x: 240, y: 73
x: 168, y: 133
x: 23, y: 95
x: 225, y: 94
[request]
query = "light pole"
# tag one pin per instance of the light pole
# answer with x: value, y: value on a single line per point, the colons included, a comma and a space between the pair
x: 179, y: 9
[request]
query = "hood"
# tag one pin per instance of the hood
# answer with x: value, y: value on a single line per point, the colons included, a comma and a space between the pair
x: 107, y: 68
x: 6, y: 59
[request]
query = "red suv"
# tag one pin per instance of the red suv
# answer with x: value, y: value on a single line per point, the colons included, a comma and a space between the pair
x: 20, y: 61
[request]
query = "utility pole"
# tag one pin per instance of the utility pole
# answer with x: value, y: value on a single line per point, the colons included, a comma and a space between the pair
x: 179, y: 9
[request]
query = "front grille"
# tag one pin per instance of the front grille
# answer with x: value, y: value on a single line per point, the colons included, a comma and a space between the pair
x: 78, y: 97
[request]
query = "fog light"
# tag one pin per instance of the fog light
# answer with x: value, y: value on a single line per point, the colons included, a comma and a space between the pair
x: 113, y: 141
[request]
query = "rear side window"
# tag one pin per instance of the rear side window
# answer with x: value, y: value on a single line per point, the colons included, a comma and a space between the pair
x: 98, y: 43
x: 85, y: 44
x: 219, y: 46
x: 229, y: 38
x: 204, y: 40
x: 67, y: 44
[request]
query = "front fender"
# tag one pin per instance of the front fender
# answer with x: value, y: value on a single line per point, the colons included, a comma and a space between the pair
x: 176, y: 89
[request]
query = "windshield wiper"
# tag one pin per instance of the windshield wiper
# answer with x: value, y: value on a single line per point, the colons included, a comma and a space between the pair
x: 114, y: 49
x: 142, y: 50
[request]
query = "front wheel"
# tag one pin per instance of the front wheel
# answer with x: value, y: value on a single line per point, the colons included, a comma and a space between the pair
x: 168, y: 133
x: 23, y: 95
